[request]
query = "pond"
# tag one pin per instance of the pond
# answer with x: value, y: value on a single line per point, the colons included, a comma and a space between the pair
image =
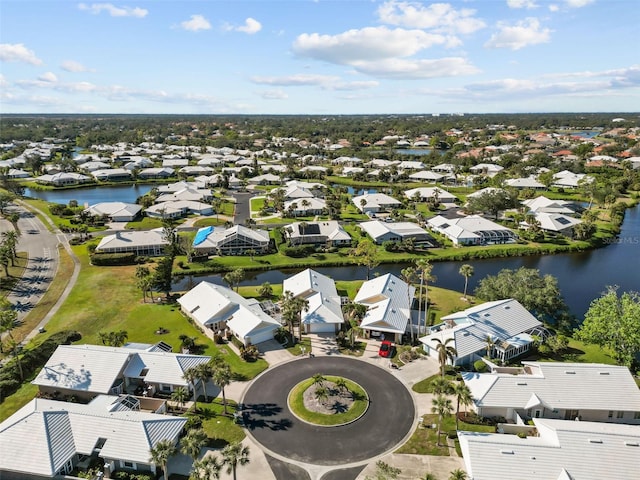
x: 91, y: 195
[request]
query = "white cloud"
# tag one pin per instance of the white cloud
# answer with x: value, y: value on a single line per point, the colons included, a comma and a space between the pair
x: 3, y: 81
x: 73, y: 66
x: 17, y: 52
x: 49, y: 77
x: 196, y: 23
x: 274, y: 95
x: 417, y: 69
x: 528, y: 4
x: 295, y: 80
x: 440, y: 17
x: 97, y: 8
x: 553, y: 7
x: 351, y: 86
x: 367, y: 44
x: 578, y: 3
x: 524, y: 33
x: 250, y: 26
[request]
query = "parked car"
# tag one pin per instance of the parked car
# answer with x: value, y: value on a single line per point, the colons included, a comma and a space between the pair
x: 386, y: 349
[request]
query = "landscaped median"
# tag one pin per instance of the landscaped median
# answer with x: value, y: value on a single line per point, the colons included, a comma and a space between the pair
x: 328, y: 401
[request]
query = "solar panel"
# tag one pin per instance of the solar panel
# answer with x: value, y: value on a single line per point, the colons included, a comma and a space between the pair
x: 309, y: 229
x: 563, y: 221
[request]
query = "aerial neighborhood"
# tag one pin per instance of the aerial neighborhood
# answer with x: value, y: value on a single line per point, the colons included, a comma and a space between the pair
x: 219, y: 297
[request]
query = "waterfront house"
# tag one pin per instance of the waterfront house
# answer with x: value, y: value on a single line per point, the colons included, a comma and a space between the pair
x: 375, y: 202
x: 382, y: 232
x: 329, y: 233
x: 215, y: 308
x: 150, y: 243
x: 114, y: 211
x: 472, y: 230
x: 236, y: 240
x: 435, y: 194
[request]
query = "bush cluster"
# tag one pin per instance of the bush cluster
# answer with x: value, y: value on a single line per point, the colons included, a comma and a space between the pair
x: 110, y: 259
x: 299, y: 252
x: 31, y: 361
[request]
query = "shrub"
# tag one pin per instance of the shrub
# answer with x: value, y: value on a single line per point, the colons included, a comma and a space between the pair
x: 249, y: 353
x: 479, y: 366
x: 110, y: 259
x: 522, y: 434
x: 298, y: 252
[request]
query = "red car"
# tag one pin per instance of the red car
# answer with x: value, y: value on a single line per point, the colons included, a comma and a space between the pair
x: 386, y: 349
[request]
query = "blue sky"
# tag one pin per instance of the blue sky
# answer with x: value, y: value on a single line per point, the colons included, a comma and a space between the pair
x: 319, y: 57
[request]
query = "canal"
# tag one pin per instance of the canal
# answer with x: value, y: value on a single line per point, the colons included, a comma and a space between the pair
x: 91, y: 195
x: 582, y: 277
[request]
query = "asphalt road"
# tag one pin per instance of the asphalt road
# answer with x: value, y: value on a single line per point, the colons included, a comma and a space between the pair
x: 243, y: 207
x: 385, y: 424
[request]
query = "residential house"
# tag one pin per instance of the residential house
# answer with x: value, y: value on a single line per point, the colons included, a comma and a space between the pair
x: 382, y: 232
x: 178, y: 208
x: 592, y: 392
x: 215, y: 308
x: 161, y: 172
x: 559, y: 450
x: 375, y: 202
x: 502, y: 329
x: 324, y: 314
x: 115, y: 211
x: 488, y: 169
x: 556, y: 223
x: 150, y: 243
x: 329, y: 233
x: 85, y: 371
x: 388, y: 300
x: 305, y: 207
x: 545, y: 205
x: 236, y: 240
x: 112, y: 174
x: 62, y: 179
x: 472, y: 230
x: 434, y: 194
x: 426, y: 176
x: 567, y: 179
x: 522, y: 183
x: 50, y: 438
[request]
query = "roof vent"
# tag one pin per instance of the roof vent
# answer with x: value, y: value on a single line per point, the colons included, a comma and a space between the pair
x: 632, y: 444
x: 507, y: 307
x: 521, y: 383
x: 570, y: 372
x: 604, y: 373
x: 507, y: 452
x: 595, y: 440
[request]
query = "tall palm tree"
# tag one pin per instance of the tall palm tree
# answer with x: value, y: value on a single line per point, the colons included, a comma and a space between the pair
x: 321, y: 394
x: 428, y: 476
x: 204, y: 374
x: 292, y: 308
x: 161, y: 452
x: 206, y: 469
x: 424, y: 268
x: 191, y: 376
x: 441, y: 386
x: 180, y: 396
x: 490, y: 344
x: 222, y: 378
x: 458, y: 474
x: 443, y: 407
x: 408, y: 275
x: 463, y: 397
x: 233, y: 455
x: 192, y: 443
x: 445, y: 352
x: 466, y: 271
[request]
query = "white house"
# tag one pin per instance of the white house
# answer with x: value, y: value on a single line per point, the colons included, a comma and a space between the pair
x: 112, y: 174
x: 521, y: 183
x: 592, y: 392
x: 216, y: 308
x: 178, y: 208
x: 145, y: 243
x: 506, y: 323
x: 546, y: 205
x: 557, y: 223
x: 471, y: 230
x: 329, y: 233
x: 388, y: 300
x: 116, y: 211
x: 382, y: 232
x: 325, y: 311
x: 489, y: 169
x: 562, y: 450
x: 62, y: 178
x: 426, y: 176
x: 427, y: 193
x: 305, y: 206
x: 49, y: 438
x: 85, y: 371
x: 375, y: 202
x: 236, y: 240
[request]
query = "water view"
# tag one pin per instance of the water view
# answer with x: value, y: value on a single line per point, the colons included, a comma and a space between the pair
x: 91, y: 195
x: 581, y: 276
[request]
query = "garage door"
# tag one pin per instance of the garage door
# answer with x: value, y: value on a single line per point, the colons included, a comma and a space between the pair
x: 322, y: 328
x: 261, y: 336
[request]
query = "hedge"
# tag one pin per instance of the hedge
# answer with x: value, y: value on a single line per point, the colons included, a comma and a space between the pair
x: 110, y: 259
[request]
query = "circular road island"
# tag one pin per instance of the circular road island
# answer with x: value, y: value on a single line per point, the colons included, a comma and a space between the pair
x: 386, y: 422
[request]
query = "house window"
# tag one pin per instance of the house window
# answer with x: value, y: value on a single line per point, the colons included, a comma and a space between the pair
x: 165, y: 388
x: 620, y: 415
x: 610, y: 414
x: 636, y: 416
x: 128, y: 464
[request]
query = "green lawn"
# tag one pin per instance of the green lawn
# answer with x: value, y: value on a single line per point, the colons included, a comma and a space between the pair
x: 220, y: 428
x: 15, y: 273
x: 257, y: 204
x: 145, y: 223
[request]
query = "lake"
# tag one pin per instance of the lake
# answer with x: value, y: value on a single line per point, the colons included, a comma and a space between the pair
x: 582, y: 277
x: 91, y: 195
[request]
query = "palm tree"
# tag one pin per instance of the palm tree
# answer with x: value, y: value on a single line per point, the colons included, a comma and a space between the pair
x: 191, y: 376
x: 445, y: 352
x: 355, y: 331
x: 222, y: 378
x: 408, y: 275
x: 424, y: 268
x: 180, y: 396
x: 490, y: 344
x: 233, y: 455
x: 321, y: 394
x: 192, y: 443
x: 441, y: 386
x: 463, y: 397
x: 206, y: 469
x: 458, y: 474
x: 466, y: 271
x: 292, y: 308
x: 341, y: 384
x: 8, y: 319
x: 443, y: 407
x: 318, y: 380
x: 204, y: 373
x: 160, y: 454
x: 429, y: 476
x: 265, y: 290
